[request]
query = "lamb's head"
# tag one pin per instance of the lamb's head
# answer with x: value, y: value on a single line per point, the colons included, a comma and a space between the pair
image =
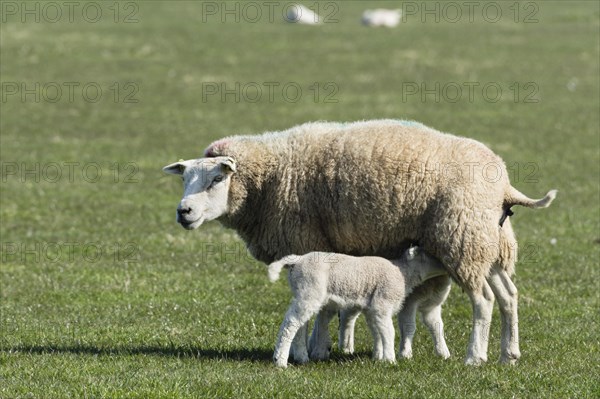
x: 206, y: 184
x: 423, y: 263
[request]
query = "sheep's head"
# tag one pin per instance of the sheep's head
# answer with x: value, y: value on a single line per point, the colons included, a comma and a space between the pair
x: 205, y: 189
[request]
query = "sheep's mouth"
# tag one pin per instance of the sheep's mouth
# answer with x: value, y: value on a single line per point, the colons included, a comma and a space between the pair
x: 191, y: 225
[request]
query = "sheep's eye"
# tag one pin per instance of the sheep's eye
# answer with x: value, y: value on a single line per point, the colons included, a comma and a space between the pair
x: 215, y: 181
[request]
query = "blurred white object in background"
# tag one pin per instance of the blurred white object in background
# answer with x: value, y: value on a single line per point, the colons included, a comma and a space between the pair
x: 382, y: 17
x: 297, y: 13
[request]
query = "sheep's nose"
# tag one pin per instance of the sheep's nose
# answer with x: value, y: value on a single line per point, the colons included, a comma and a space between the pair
x: 183, y: 211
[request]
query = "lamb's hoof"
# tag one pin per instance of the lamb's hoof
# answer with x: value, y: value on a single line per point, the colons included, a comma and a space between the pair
x: 444, y: 354
x: 320, y: 354
x: 301, y: 359
x: 512, y: 359
x: 280, y: 364
x: 475, y: 361
x: 405, y: 355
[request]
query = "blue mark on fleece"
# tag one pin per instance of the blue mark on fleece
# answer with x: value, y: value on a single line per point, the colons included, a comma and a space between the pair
x: 407, y: 123
x: 400, y: 122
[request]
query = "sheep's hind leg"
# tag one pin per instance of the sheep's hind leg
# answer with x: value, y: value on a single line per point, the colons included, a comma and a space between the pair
x: 506, y: 293
x: 483, y: 303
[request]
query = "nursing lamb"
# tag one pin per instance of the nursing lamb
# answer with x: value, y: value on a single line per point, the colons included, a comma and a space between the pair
x: 331, y: 281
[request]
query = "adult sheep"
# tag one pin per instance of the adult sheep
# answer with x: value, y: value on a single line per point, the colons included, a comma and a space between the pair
x: 369, y: 188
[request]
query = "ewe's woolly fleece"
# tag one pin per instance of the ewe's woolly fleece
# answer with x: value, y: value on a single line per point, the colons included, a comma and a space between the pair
x: 372, y: 188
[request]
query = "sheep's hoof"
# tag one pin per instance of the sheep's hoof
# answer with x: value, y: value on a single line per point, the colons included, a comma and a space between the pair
x: 405, y: 355
x: 444, y: 354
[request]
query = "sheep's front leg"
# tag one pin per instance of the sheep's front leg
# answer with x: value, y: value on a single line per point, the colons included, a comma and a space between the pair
x: 295, y: 318
x: 507, y: 295
x: 483, y: 303
x: 346, y: 333
x: 320, y: 341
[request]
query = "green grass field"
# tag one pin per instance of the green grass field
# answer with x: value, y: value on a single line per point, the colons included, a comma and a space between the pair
x: 104, y: 295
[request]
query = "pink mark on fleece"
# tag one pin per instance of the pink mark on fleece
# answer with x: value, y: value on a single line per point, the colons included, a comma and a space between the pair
x: 216, y: 148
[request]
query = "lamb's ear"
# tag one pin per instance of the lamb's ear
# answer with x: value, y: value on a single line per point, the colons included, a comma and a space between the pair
x: 229, y: 165
x: 176, y: 168
x: 413, y: 252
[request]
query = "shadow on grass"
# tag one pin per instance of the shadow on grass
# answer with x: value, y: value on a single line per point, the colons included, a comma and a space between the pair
x: 237, y: 354
x: 240, y: 354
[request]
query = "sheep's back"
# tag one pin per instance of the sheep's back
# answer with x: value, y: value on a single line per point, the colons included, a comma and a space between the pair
x: 375, y: 187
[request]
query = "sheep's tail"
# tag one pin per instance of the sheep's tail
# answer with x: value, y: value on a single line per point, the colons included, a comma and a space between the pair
x: 275, y: 267
x: 515, y: 197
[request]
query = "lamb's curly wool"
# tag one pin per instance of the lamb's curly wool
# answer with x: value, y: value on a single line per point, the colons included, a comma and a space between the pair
x: 375, y: 188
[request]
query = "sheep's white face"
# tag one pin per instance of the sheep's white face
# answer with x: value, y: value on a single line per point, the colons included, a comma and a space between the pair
x: 205, y: 189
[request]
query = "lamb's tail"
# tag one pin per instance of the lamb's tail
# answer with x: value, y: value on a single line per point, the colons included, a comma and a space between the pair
x: 275, y: 267
x: 515, y: 197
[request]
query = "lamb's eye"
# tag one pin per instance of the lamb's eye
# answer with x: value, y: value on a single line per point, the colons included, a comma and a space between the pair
x: 218, y: 179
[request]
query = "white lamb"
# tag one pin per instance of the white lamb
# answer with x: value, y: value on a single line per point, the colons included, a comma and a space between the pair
x: 427, y: 299
x: 376, y: 286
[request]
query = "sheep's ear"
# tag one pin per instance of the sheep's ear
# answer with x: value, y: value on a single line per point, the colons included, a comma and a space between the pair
x: 229, y: 165
x: 176, y: 168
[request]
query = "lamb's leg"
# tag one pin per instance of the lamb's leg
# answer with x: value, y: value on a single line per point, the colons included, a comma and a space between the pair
x: 346, y: 334
x: 507, y: 295
x: 295, y: 318
x: 320, y: 341
x: 377, y: 339
x: 483, y: 303
x: 298, y: 349
x: 432, y: 318
x: 407, y: 326
x: 385, y: 326
x: 430, y: 308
